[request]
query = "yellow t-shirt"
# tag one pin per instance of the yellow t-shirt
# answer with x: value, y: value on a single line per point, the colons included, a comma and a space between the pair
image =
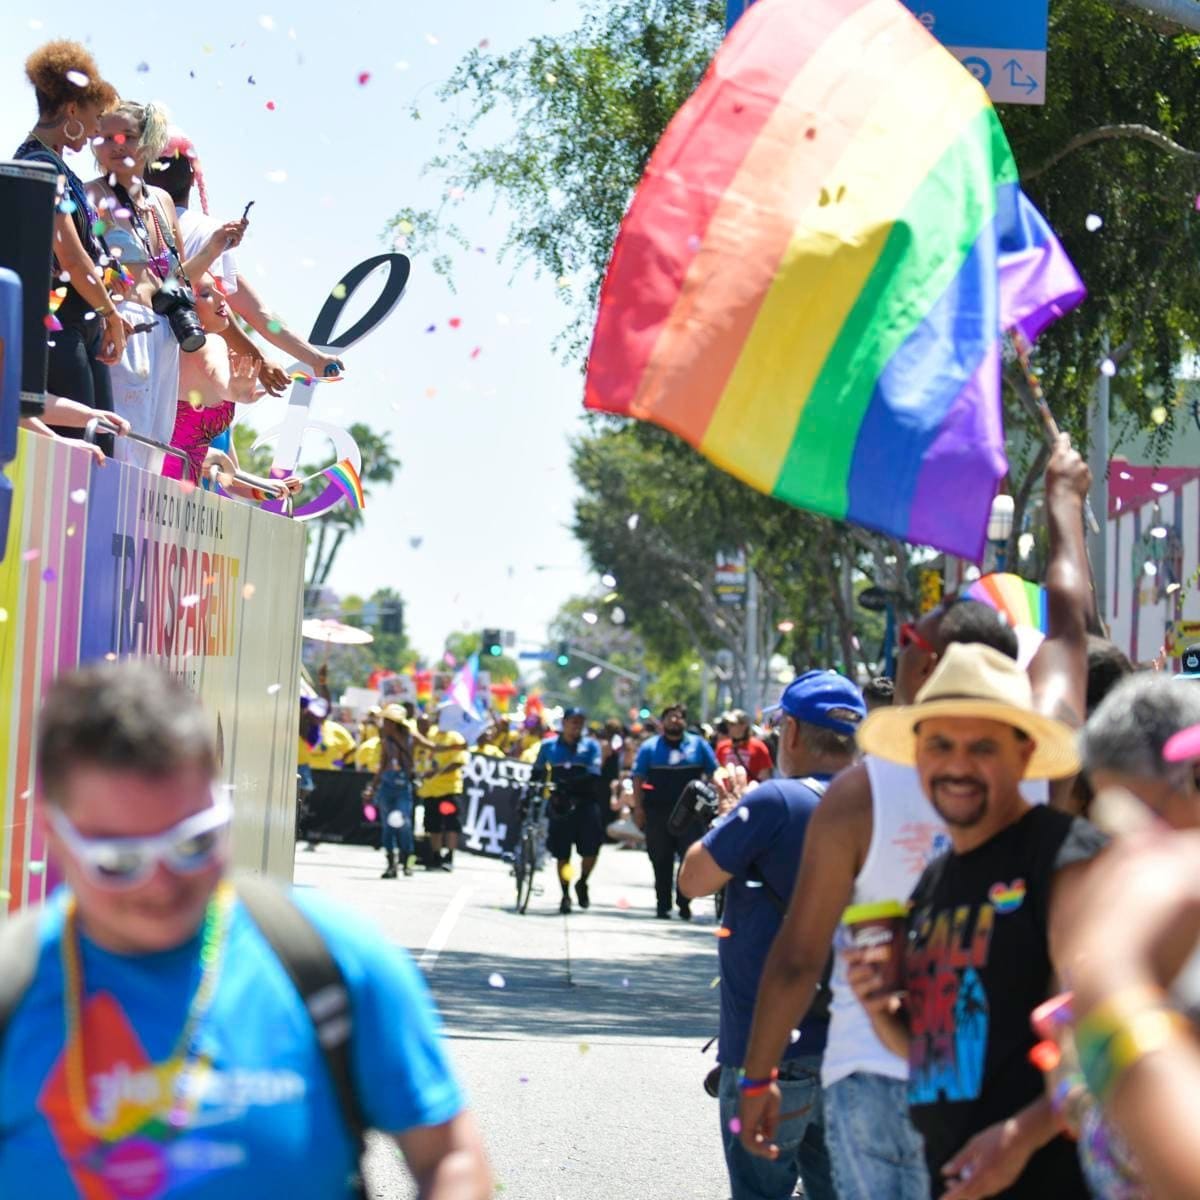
x: 334, y: 748
x: 490, y: 750
x: 448, y: 783
x: 369, y: 755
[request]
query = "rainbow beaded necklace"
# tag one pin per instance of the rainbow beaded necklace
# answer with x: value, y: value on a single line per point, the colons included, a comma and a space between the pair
x: 212, y: 953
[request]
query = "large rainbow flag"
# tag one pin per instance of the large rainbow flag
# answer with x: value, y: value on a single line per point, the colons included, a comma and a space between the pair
x: 813, y: 279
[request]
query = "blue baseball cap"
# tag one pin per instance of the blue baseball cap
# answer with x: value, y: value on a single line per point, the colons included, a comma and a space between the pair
x: 824, y: 698
x: 574, y: 711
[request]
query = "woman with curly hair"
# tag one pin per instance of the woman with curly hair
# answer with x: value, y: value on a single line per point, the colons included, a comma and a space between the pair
x: 71, y: 98
x: 143, y: 232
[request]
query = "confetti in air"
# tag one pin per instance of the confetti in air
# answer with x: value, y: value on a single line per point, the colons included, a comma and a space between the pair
x: 79, y: 496
x: 632, y: 523
x: 1093, y: 222
x: 496, y: 980
x: 248, y: 591
x: 735, y: 1126
x: 1108, y: 367
x: 190, y: 601
x: 274, y: 688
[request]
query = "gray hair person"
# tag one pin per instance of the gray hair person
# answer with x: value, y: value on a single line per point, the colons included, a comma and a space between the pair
x: 1123, y: 742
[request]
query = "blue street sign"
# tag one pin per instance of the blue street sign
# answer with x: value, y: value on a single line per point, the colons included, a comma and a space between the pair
x: 1002, y: 44
x: 538, y: 655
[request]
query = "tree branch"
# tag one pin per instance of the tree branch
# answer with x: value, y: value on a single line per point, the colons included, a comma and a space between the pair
x: 1103, y: 133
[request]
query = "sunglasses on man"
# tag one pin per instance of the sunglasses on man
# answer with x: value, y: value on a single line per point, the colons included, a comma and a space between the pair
x: 908, y: 636
x: 117, y: 863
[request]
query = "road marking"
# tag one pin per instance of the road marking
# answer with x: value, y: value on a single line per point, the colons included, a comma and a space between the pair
x: 441, y: 934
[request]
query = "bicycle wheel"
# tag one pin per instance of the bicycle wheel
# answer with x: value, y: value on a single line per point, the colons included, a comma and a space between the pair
x: 527, y: 854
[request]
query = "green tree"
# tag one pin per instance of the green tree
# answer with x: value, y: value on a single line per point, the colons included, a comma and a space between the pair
x: 561, y: 129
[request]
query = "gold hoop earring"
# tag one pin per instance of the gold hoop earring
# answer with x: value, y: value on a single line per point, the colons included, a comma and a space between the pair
x: 73, y: 137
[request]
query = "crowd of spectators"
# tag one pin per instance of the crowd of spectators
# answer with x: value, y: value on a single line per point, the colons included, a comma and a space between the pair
x: 143, y: 332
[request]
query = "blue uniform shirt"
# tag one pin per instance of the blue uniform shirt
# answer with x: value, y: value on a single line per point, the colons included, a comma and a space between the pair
x: 584, y: 754
x: 265, y: 1122
x: 668, y: 767
x: 761, y: 839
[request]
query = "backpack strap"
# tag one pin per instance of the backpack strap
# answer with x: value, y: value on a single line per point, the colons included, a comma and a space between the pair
x: 312, y: 968
x: 20, y: 947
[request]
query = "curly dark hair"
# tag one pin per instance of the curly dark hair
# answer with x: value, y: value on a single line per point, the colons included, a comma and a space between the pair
x: 65, y: 71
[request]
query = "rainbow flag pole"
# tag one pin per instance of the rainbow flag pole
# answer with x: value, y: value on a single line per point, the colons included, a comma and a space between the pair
x: 812, y: 283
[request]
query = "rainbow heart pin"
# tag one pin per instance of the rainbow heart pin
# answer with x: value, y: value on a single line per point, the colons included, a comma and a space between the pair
x: 1007, y: 897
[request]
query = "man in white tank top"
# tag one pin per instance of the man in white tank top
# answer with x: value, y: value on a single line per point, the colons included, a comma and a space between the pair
x: 869, y: 840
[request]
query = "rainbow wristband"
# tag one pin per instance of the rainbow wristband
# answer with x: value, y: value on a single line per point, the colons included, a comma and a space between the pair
x: 756, y: 1087
x: 1109, y: 1044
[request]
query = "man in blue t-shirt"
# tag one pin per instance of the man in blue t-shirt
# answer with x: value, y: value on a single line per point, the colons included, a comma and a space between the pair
x: 664, y: 766
x: 161, y: 1047
x: 571, y: 762
x: 754, y: 852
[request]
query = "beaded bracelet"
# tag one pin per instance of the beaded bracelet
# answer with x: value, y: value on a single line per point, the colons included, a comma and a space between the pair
x: 756, y: 1087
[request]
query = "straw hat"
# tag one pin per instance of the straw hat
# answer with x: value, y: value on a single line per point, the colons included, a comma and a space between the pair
x: 972, y: 680
x: 396, y: 714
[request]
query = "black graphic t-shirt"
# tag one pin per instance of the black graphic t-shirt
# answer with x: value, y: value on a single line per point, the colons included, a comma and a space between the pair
x: 978, y: 963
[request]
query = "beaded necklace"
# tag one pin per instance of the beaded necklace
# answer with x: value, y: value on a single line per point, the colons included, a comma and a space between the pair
x: 212, y: 951
x: 79, y: 196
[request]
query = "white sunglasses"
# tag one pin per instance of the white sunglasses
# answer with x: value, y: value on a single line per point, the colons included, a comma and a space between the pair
x: 117, y: 863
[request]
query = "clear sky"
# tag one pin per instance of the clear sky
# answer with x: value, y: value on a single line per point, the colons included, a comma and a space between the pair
x: 485, y: 482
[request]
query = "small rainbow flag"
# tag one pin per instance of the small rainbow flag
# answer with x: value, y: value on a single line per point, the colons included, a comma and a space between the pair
x: 812, y: 282
x: 345, y: 475
x: 1021, y: 603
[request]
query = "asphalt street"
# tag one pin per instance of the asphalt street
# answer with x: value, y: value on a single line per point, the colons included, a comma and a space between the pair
x: 578, y: 1038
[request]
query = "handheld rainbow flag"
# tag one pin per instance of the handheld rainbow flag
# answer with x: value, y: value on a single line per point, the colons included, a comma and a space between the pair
x: 345, y: 475
x: 1022, y: 605
x: 1017, y: 600
x: 811, y: 284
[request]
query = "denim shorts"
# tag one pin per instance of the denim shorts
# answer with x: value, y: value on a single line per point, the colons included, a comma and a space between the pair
x: 801, y: 1139
x: 876, y: 1150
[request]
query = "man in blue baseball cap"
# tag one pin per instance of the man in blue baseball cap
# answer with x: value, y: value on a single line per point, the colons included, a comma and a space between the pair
x: 754, y: 852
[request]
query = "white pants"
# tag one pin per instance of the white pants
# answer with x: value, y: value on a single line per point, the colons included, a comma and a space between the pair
x: 145, y: 385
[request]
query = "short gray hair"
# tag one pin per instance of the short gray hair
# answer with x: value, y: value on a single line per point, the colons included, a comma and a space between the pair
x: 1133, y: 723
x: 827, y: 743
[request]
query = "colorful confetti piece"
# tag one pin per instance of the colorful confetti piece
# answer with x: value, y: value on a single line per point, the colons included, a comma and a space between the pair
x: 496, y: 980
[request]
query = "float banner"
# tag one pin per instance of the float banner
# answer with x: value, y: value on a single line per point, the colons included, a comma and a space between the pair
x: 113, y: 562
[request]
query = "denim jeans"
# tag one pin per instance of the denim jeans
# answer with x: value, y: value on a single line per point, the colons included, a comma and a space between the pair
x: 395, y: 796
x: 801, y: 1139
x: 876, y: 1151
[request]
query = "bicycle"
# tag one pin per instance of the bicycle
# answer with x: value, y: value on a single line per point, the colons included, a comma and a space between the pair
x: 530, y: 852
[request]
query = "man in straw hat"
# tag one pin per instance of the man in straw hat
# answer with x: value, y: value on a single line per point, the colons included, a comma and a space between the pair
x: 981, y: 926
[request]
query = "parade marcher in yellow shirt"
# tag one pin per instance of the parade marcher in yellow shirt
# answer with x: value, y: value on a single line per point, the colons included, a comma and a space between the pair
x: 440, y: 772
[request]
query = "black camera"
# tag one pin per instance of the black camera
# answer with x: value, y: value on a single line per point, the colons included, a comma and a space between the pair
x: 699, y: 801
x: 176, y: 301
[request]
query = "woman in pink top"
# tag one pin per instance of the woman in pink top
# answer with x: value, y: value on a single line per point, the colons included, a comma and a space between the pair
x: 223, y: 373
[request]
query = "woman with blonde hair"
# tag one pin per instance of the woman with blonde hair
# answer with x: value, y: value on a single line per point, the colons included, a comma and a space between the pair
x: 71, y: 98
x: 142, y: 231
